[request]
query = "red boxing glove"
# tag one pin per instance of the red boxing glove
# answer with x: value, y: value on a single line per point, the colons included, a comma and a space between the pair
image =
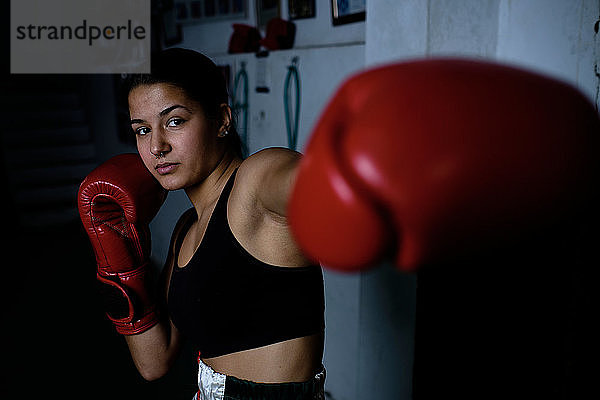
x: 439, y: 158
x: 117, y: 201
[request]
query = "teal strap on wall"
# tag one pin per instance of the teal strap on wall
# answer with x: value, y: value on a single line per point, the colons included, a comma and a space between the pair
x: 292, y: 130
x: 240, y: 105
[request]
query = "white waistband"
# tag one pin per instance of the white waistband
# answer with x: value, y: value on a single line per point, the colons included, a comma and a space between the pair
x: 211, y: 384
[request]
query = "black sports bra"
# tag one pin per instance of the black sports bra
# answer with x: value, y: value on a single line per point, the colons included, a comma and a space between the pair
x: 225, y: 300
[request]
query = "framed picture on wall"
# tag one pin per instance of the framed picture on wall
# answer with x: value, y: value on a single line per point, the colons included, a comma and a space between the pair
x: 299, y: 9
x: 198, y: 11
x: 265, y: 11
x: 347, y: 11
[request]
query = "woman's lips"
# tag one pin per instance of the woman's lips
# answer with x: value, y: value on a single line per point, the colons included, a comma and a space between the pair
x: 166, y: 168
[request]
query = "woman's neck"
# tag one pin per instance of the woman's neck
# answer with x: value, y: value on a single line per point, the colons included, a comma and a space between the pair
x: 206, y: 193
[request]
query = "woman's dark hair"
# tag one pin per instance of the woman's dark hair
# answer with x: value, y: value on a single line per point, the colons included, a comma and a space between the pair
x: 198, y: 77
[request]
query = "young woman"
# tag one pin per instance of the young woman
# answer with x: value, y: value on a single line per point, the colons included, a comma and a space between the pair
x: 236, y: 286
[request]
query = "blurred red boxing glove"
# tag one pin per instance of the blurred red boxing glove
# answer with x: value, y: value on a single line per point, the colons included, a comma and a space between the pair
x: 117, y: 201
x: 435, y: 159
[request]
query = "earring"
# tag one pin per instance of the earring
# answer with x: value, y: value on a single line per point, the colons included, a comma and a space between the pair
x: 224, y: 133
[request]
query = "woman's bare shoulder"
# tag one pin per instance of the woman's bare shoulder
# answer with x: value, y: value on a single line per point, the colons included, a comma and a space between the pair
x: 266, y: 176
x: 266, y: 161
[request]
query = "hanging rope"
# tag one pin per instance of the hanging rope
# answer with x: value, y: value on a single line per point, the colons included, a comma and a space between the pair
x: 240, y: 105
x: 292, y: 129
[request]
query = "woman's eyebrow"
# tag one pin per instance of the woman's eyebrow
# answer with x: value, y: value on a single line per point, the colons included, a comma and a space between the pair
x: 169, y: 109
x: 162, y: 113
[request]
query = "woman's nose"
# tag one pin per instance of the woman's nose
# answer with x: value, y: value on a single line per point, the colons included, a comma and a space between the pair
x: 159, y: 143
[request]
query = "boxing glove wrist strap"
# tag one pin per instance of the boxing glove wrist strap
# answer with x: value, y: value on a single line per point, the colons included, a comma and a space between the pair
x: 128, y: 300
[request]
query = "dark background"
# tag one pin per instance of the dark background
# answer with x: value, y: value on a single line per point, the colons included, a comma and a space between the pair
x: 55, y: 338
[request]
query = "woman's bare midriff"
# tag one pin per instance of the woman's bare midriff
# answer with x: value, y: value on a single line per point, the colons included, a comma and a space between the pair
x: 294, y: 360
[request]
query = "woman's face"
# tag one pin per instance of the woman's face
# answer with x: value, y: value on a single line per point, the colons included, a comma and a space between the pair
x: 170, y: 125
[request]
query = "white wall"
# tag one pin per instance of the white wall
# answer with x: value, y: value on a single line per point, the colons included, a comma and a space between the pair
x: 555, y: 37
x: 318, y: 80
x: 416, y: 28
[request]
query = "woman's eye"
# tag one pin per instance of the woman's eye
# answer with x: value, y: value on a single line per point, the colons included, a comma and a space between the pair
x: 142, y: 130
x: 174, y: 122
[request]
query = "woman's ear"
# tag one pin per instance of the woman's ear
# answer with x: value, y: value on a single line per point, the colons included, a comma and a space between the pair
x: 225, y: 114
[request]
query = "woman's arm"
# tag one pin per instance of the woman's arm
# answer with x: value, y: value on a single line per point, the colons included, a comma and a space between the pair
x: 155, y: 350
